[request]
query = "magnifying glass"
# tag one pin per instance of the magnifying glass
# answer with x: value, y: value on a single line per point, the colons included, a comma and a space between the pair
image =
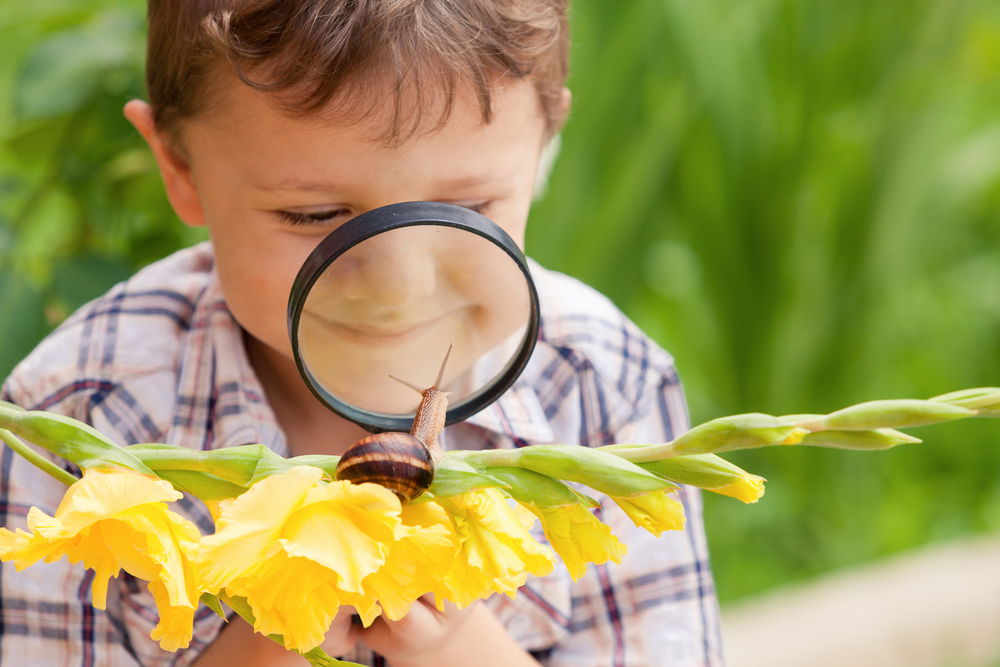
x: 388, y: 292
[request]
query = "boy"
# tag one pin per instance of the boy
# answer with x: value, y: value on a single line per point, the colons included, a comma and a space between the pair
x: 272, y: 122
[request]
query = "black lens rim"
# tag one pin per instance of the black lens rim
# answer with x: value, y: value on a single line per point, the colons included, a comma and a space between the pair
x: 388, y: 218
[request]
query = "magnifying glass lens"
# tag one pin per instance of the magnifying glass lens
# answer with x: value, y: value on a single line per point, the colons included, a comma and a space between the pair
x: 393, y: 304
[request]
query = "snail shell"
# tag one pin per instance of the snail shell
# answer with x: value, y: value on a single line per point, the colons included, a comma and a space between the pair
x: 402, y: 462
x: 397, y: 461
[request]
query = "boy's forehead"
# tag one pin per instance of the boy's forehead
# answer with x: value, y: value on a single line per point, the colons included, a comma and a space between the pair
x: 247, y: 131
x: 372, y: 114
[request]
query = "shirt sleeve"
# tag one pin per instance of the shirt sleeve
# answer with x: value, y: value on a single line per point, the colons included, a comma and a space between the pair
x: 658, y: 608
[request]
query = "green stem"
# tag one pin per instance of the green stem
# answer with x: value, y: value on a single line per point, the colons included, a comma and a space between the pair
x: 35, y: 458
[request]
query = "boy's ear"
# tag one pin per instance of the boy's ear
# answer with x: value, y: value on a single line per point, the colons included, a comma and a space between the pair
x: 174, y: 171
x: 565, y: 101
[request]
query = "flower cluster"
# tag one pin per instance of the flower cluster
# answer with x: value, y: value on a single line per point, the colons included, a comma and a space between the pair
x: 297, y: 545
x: 292, y: 543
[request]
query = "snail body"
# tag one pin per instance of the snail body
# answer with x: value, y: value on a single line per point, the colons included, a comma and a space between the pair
x: 402, y: 462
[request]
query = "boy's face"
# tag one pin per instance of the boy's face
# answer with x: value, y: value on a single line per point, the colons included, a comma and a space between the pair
x: 270, y: 187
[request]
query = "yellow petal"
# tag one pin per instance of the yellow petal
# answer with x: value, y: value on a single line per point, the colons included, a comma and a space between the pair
x: 495, y: 550
x: 100, y: 495
x: 173, y: 630
x: 29, y: 548
x: 578, y: 537
x: 313, y: 555
x: 524, y: 515
x: 415, y: 566
x: 292, y: 597
x: 93, y: 551
x: 249, y: 527
x: 656, y: 511
x: 749, y: 489
x: 345, y: 527
x: 7, y: 540
x: 110, y: 520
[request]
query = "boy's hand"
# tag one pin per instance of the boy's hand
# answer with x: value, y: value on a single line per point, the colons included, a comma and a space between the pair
x: 239, y: 646
x: 342, y: 635
x: 427, y: 637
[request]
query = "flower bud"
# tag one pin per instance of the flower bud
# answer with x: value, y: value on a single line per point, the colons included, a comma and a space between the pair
x: 709, y: 472
x: 244, y: 465
x: 453, y: 477
x: 899, y: 413
x: 985, y: 400
x: 882, y: 438
x: 656, y: 511
x: 601, y: 471
x: 71, y: 439
x: 720, y: 435
x: 527, y: 486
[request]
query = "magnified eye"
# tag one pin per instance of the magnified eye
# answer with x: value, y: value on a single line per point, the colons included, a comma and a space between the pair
x: 295, y: 218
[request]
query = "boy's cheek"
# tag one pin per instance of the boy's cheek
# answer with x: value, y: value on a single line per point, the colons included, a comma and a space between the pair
x: 256, y: 272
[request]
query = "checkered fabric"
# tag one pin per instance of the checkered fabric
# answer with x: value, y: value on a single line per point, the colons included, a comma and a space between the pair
x: 160, y: 359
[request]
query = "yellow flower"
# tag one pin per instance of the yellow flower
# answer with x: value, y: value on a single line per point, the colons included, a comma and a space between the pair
x: 495, y: 549
x: 297, y: 548
x: 578, y: 537
x: 418, y: 563
x: 656, y: 511
x: 118, y: 520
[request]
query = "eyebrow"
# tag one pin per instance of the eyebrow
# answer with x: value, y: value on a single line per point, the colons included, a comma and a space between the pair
x: 298, y: 185
x: 294, y: 185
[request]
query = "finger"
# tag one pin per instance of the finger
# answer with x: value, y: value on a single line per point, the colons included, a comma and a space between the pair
x: 341, y: 640
x: 342, y: 635
x: 413, y: 630
x: 449, y: 613
x: 345, y: 615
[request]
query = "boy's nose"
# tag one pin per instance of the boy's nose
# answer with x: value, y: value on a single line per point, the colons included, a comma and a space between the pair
x: 391, y: 269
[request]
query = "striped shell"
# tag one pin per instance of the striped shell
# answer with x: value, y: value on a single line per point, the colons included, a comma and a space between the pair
x: 398, y: 461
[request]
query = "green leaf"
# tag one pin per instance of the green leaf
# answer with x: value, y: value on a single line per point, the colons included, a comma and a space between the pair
x: 213, y: 603
x: 64, y: 70
x: 85, y: 277
x: 201, y: 485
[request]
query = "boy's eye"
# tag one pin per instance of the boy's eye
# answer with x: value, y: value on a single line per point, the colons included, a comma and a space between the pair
x: 477, y: 207
x: 296, y: 218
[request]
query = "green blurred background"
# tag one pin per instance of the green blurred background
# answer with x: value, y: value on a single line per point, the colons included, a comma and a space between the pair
x: 797, y: 198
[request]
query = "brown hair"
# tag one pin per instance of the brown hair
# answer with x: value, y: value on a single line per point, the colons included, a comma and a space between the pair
x: 307, y: 52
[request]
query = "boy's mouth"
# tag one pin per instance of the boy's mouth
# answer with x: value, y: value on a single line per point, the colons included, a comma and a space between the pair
x: 368, y: 333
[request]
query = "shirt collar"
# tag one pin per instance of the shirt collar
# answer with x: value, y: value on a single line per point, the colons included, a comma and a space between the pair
x: 220, y: 400
x: 517, y: 414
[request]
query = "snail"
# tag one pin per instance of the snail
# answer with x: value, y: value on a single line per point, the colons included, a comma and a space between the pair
x: 402, y: 462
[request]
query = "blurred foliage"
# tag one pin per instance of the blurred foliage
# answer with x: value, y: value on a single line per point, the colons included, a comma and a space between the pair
x: 81, y: 204
x: 799, y: 199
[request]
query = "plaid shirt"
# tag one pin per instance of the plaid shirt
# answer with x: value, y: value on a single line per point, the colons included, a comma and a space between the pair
x: 160, y: 359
